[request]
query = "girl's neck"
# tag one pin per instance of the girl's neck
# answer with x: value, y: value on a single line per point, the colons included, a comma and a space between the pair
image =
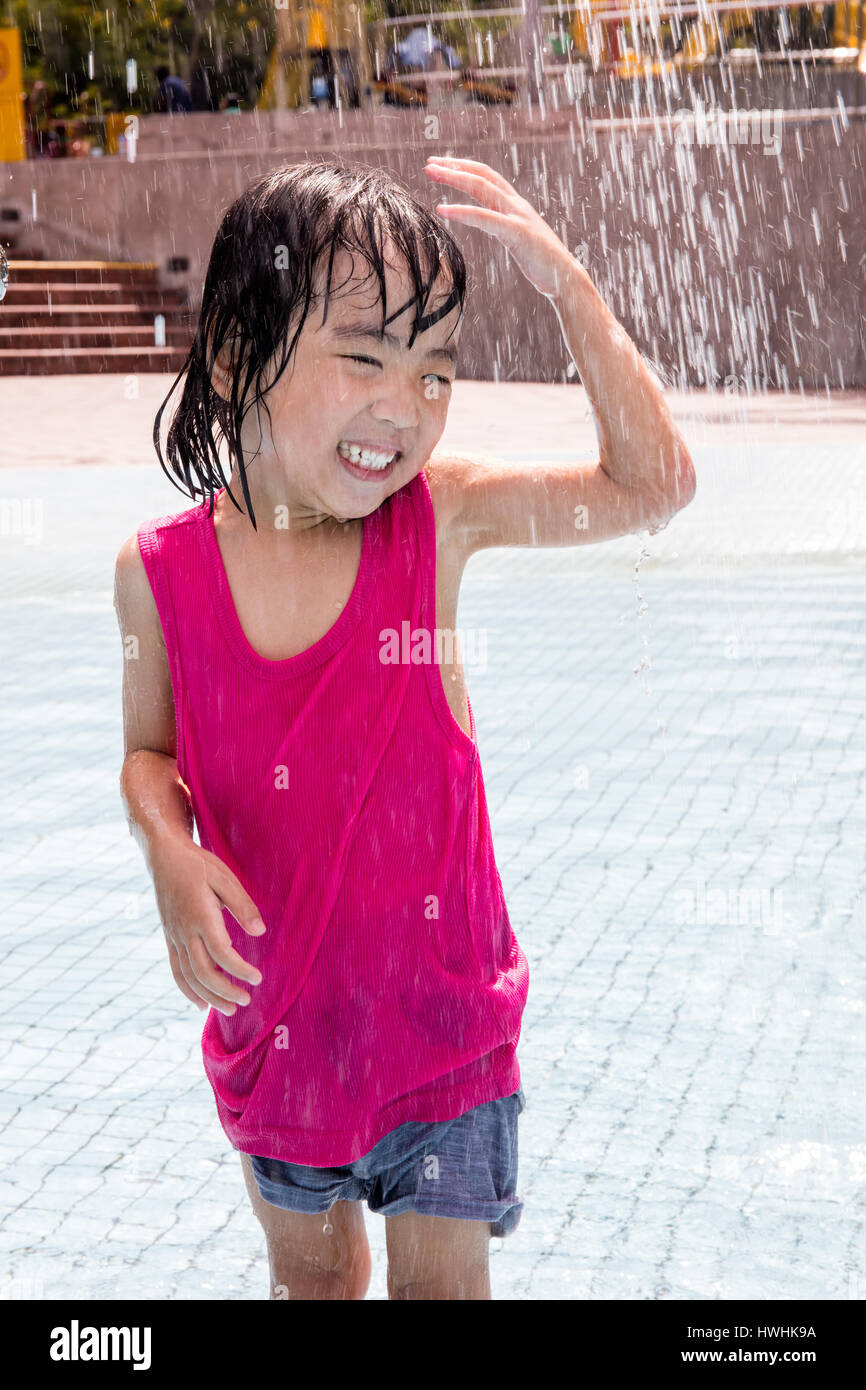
x: 267, y: 505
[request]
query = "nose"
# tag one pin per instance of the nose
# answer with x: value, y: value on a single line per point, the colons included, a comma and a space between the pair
x: 395, y: 404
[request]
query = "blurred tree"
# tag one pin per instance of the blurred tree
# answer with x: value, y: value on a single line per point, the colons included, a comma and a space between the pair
x: 230, y: 38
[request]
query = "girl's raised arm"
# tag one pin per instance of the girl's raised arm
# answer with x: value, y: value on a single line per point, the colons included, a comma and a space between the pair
x: 644, y: 473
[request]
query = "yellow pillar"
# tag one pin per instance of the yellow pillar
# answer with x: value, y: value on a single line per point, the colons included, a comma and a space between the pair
x: 302, y: 25
x: 583, y: 23
x: 317, y: 25
x: 339, y: 24
x: 115, y: 124
x: 12, y: 143
x: 288, y: 63
x: 845, y: 27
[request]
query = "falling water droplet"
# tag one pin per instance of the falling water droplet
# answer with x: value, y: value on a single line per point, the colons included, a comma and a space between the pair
x: 645, y: 663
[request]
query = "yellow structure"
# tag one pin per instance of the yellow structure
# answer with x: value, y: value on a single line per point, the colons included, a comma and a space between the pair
x: 12, y: 143
x: 303, y: 30
x: 701, y: 38
x: 317, y: 27
x: 580, y: 26
x: 115, y: 123
x: 848, y: 30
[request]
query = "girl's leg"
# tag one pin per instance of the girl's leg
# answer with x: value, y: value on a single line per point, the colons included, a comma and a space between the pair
x: 437, y: 1257
x: 306, y: 1263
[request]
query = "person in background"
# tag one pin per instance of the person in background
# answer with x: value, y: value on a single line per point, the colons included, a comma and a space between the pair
x: 201, y: 89
x: 37, y: 116
x: 56, y: 145
x: 173, y: 96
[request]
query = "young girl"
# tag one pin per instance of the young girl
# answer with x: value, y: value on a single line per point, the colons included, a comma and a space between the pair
x: 287, y: 689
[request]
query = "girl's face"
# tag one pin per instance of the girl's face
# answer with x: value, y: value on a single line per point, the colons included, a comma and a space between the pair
x: 354, y: 417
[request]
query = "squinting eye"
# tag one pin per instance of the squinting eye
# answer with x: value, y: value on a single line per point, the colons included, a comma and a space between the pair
x: 446, y: 380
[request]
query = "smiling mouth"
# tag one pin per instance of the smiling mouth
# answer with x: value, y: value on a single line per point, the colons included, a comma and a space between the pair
x: 367, y: 462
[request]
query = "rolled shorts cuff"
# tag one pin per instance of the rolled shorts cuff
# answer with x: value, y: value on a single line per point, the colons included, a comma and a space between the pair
x: 504, y: 1217
x: 478, y: 1158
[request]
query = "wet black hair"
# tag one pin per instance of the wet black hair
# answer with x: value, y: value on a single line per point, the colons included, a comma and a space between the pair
x: 261, y: 272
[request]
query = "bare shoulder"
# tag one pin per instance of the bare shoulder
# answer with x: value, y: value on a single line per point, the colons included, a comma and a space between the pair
x: 148, y: 700
x: 129, y: 556
x: 134, y: 602
x: 131, y: 584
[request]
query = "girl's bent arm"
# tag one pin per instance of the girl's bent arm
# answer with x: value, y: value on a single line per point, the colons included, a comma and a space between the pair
x: 156, y: 800
x: 192, y: 885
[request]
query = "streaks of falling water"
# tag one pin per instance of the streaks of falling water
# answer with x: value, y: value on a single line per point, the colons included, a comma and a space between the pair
x: 645, y: 663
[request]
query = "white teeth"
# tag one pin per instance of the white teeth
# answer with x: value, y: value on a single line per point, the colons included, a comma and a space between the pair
x: 367, y: 458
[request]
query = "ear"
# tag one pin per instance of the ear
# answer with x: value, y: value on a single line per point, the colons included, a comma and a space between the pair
x: 224, y: 368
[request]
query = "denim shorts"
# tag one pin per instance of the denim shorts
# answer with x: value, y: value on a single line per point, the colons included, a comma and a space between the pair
x: 464, y: 1168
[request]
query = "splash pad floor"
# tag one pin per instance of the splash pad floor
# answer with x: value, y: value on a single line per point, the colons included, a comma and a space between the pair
x: 677, y: 799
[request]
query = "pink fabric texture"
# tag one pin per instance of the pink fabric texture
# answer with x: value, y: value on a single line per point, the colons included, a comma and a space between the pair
x: 342, y: 792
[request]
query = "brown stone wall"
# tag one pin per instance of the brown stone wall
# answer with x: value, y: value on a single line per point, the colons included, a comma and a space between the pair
x: 735, y: 256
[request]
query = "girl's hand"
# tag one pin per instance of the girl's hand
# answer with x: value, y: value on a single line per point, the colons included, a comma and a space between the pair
x: 542, y: 257
x: 192, y: 886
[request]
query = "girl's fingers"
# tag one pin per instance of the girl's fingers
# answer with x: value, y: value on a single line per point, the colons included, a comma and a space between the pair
x: 174, y: 962
x: 236, y: 899
x: 224, y: 953
x: 220, y: 948
x: 214, y: 1001
x: 483, y: 169
x: 207, y: 974
x: 480, y: 188
x: 484, y: 218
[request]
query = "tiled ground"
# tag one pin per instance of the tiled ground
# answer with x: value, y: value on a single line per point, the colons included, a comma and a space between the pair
x: 681, y: 844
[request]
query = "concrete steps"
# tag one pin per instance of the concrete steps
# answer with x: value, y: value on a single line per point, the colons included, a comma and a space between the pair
x: 90, y: 316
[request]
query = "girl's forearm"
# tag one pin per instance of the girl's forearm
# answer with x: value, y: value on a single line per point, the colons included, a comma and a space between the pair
x: 640, y: 446
x: 157, y: 802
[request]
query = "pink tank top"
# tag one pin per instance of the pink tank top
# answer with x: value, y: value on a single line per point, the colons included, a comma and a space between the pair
x: 348, y: 801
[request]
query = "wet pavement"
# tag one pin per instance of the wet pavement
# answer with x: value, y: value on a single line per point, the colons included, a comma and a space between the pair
x: 677, y: 800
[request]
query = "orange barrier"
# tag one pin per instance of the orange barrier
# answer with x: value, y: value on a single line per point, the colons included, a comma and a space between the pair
x: 12, y: 143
